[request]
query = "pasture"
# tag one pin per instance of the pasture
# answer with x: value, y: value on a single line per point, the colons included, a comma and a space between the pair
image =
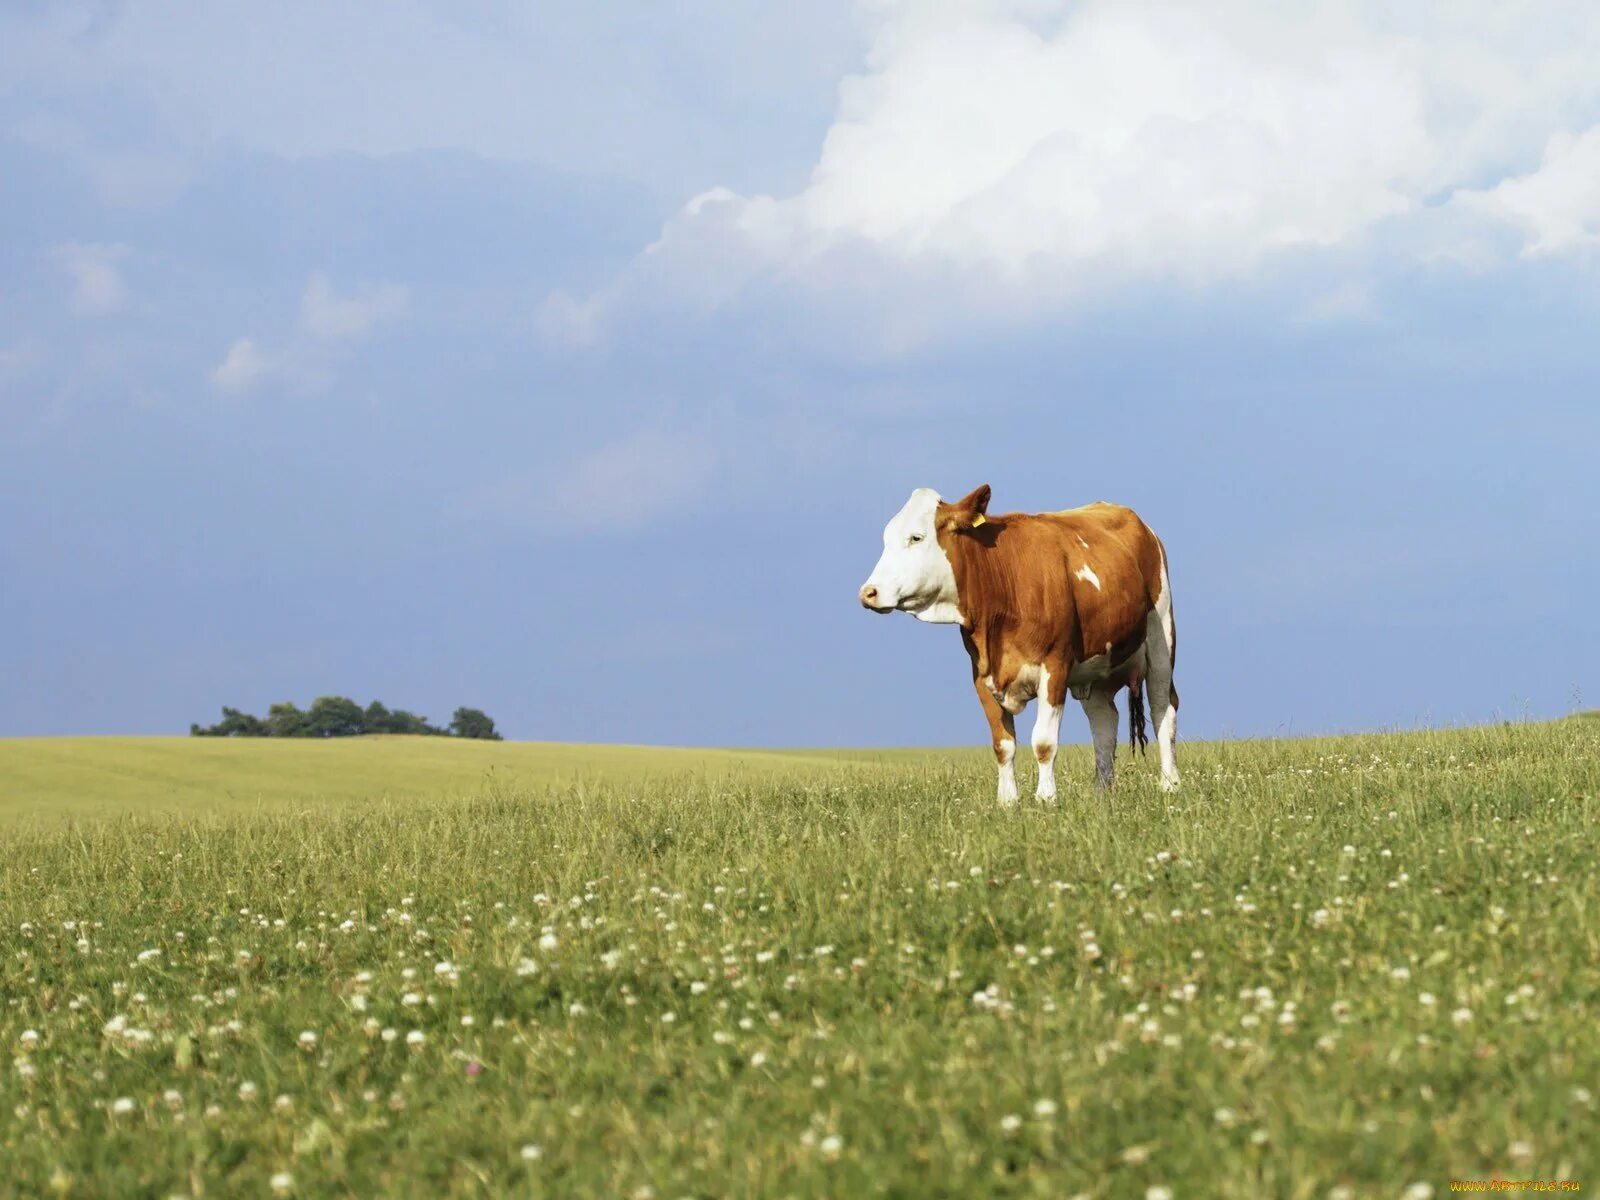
x: 1362, y: 966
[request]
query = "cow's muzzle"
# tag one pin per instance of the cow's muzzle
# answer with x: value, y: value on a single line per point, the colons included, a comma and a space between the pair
x: 870, y: 599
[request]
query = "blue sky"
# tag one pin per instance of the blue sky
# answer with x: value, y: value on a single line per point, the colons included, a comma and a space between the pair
x: 568, y: 360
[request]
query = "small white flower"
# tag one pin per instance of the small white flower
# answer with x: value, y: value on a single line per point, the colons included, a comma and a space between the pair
x: 29, y: 1039
x: 248, y: 1090
x: 1419, y: 1191
x: 308, y: 1040
x: 415, y: 1038
x: 122, y: 1106
x: 831, y: 1146
x: 1461, y: 1016
x: 1044, y: 1107
x: 1157, y: 1192
x: 1010, y: 1123
x: 281, y: 1182
x: 532, y: 1153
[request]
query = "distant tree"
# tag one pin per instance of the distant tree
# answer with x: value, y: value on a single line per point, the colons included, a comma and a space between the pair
x: 338, y: 716
x: 233, y: 724
x: 401, y: 721
x: 473, y: 723
x: 335, y: 716
x: 286, y: 720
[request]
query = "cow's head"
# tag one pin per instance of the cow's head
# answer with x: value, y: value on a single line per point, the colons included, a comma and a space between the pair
x: 914, y: 573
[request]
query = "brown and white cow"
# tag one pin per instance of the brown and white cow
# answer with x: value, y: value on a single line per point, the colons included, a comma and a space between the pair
x: 1048, y: 603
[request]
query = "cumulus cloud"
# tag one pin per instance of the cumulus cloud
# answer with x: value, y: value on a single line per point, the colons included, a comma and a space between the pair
x: 1557, y: 207
x: 242, y: 368
x: 1032, y: 147
x: 329, y: 316
x: 97, y: 284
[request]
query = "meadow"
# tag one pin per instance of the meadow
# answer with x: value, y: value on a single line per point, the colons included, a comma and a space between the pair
x: 1362, y: 966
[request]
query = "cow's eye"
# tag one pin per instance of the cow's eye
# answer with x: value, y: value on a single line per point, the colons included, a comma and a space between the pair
x: 913, y: 539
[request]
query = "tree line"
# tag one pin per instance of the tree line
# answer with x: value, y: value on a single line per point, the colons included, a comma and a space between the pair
x: 337, y: 716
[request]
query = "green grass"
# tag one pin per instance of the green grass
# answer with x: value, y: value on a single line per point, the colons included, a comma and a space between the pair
x: 50, y: 778
x: 1369, y: 962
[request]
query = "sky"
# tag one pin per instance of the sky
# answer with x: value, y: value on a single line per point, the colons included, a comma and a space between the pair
x: 566, y: 360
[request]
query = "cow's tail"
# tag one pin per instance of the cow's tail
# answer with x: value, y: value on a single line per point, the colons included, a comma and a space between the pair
x: 1136, y: 731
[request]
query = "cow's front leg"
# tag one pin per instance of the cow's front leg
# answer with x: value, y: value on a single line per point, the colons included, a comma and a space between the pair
x: 1047, y: 729
x: 1101, y: 708
x: 1003, y: 733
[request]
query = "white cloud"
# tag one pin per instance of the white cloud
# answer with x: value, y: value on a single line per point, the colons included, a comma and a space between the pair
x: 326, y: 315
x: 1557, y: 207
x: 97, y: 284
x: 244, y: 366
x: 1028, y: 149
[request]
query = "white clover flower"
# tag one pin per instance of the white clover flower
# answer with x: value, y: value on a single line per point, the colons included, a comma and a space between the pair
x: 308, y: 1040
x: 1157, y: 1192
x: 1010, y: 1123
x: 122, y: 1106
x: 831, y: 1146
x: 532, y: 1152
x: 281, y: 1182
x: 415, y: 1038
x: 1044, y: 1107
x: 1419, y: 1191
x: 248, y: 1090
x: 29, y: 1039
x: 548, y: 941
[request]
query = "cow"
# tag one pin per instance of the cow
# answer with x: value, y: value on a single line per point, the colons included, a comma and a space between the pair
x: 1048, y: 603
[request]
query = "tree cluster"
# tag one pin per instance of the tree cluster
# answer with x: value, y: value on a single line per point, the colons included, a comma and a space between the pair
x: 336, y: 716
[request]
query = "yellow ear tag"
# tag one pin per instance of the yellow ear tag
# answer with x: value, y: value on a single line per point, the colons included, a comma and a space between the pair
x: 978, y: 520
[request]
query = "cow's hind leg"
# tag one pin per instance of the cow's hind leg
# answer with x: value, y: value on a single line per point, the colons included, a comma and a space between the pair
x: 1100, y: 706
x: 1162, y: 694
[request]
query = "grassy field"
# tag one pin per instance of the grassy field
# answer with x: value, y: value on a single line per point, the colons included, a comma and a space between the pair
x: 51, y: 778
x: 1350, y: 967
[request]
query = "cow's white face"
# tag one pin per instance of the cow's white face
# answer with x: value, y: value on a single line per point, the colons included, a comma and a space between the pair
x: 914, y: 574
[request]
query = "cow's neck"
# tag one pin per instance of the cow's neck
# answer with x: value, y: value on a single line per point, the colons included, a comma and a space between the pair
x: 982, y: 588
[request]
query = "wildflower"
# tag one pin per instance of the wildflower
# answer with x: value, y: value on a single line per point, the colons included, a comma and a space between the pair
x: 29, y: 1039
x: 308, y: 1040
x: 122, y: 1106
x: 1419, y: 1191
x: 173, y: 1098
x: 248, y: 1090
x: 1044, y: 1107
x: 1426, y: 999
x: 281, y: 1182
x: 415, y: 1038
x: 1010, y: 1123
x: 1157, y: 1192
x: 532, y: 1153
x: 831, y: 1146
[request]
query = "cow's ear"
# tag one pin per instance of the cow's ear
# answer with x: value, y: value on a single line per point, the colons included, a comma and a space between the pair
x: 969, y: 511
